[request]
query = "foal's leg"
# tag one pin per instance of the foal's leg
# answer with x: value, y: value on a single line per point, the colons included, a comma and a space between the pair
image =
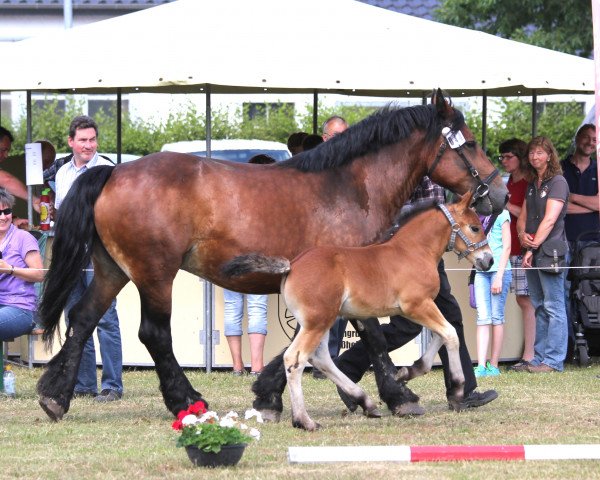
x: 295, y: 359
x: 322, y: 360
x: 428, y: 315
x: 155, y: 334
x: 397, y: 396
x: 55, y: 387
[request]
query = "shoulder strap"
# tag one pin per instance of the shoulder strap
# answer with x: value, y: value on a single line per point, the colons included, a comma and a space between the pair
x: 490, y: 224
x: 106, y: 158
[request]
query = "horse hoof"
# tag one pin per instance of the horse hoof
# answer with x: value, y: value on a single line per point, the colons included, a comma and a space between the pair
x: 373, y: 413
x: 52, y: 408
x: 270, y: 415
x: 408, y: 409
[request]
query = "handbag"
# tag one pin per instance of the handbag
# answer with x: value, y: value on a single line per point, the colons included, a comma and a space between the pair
x: 486, y: 229
x: 551, y: 256
x: 472, y: 288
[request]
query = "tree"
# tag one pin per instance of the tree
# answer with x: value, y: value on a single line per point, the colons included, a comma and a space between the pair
x: 562, y: 25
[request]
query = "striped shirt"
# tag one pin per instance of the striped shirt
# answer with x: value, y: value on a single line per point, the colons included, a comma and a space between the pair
x: 68, y: 173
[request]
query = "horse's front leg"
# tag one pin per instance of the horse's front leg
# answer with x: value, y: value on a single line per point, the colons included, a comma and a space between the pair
x: 397, y: 396
x: 155, y: 334
x: 428, y: 315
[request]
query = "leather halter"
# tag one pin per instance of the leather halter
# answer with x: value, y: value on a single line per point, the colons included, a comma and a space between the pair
x: 452, y: 139
x: 456, y: 230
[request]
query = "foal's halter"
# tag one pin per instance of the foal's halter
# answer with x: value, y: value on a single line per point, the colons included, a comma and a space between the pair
x: 456, y: 141
x: 456, y: 230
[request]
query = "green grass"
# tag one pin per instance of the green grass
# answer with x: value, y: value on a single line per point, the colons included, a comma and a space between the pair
x: 133, y: 438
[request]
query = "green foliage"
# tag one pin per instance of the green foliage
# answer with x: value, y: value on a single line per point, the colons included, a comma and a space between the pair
x: 210, y: 437
x: 565, y: 26
x: 557, y: 121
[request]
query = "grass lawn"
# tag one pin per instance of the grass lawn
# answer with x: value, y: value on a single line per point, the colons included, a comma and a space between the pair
x: 133, y: 438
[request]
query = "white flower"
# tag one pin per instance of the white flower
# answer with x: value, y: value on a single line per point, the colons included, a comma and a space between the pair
x: 206, y: 417
x: 189, y: 420
x: 227, y: 422
x: 243, y: 426
x: 233, y: 415
x: 254, y: 433
x: 254, y: 413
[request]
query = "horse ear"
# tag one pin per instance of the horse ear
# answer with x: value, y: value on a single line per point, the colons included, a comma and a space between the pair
x: 439, y: 100
x: 465, y: 200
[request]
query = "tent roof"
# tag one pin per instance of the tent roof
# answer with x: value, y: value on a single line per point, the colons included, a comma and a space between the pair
x: 236, y: 46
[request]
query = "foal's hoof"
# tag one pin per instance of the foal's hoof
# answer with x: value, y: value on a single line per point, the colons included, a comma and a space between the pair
x: 270, y: 415
x: 309, y: 427
x: 373, y: 413
x: 408, y: 409
x: 52, y: 408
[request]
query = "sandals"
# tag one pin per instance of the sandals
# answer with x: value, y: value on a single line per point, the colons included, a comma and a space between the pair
x: 521, y: 366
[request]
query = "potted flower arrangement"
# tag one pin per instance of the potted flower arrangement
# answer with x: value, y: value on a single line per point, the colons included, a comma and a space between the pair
x: 212, y: 441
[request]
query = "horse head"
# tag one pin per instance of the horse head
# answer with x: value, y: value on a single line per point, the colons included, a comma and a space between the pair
x: 458, y: 147
x: 468, y: 239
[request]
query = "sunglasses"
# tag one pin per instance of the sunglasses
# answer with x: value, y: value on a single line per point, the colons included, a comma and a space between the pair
x: 6, y: 211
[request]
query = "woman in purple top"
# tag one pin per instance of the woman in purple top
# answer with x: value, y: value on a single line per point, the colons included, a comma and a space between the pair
x: 20, y: 267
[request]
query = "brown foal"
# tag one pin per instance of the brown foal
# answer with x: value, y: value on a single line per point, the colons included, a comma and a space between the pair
x: 398, y: 277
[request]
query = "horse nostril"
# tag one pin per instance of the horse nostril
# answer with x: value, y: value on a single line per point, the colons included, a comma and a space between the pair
x: 506, y: 199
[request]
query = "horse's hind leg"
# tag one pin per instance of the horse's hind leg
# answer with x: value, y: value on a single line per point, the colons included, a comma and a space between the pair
x: 396, y: 395
x: 155, y: 334
x: 322, y: 360
x: 295, y: 359
x: 55, y: 387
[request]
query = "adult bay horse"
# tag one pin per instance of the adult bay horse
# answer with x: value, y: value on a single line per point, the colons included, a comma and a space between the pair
x: 397, y: 277
x: 145, y: 220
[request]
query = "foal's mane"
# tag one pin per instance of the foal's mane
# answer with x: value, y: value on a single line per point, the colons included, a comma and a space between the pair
x: 387, y: 126
x: 407, y: 214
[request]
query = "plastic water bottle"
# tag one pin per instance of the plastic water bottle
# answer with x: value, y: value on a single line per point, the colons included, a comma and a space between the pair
x: 45, y: 210
x: 9, y: 381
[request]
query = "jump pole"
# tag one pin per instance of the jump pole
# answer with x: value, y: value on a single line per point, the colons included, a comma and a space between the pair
x: 441, y: 453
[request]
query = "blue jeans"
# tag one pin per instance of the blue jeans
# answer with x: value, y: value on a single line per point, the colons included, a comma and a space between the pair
x: 490, y: 307
x: 546, y: 291
x: 14, y: 322
x: 234, y: 312
x: 109, y: 338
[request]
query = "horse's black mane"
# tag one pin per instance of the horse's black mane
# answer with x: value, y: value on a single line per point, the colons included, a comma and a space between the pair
x: 385, y: 127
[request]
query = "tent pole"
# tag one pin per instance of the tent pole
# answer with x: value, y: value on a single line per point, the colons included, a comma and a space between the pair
x: 484, y: 121
x: 29, y: 140
x: 208, y: 287
x: 534, y: 118
x: 315, y: 111
x: 119, y: 125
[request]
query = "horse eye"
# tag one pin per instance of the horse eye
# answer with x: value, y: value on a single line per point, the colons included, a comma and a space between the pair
x: 475, y: 228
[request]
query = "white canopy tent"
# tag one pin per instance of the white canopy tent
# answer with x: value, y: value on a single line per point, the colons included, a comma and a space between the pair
x: 285, y: 46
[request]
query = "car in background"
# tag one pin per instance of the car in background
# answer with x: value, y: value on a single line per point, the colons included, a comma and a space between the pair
x: 233, y: 150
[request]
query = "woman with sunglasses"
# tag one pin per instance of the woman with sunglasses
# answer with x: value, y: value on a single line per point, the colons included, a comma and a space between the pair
x: 20, y: 267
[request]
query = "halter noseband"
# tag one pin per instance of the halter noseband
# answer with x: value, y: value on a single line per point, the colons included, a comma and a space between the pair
x: 471, y: 247
x: 456, y: 141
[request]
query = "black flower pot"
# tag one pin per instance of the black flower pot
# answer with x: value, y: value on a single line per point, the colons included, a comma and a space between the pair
x: 228, y: 456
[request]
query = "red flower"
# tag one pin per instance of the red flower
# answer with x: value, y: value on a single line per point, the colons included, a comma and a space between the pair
x: 182, y: 414
x: 177, y: 425
x: 197, y: 408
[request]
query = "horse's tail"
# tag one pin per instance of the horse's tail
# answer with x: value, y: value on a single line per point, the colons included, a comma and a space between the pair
x: 72, y: 247
x: 255, y: 263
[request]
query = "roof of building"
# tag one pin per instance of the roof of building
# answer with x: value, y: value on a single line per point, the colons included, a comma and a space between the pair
x: 82, y: 4
x: 416, y: 8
